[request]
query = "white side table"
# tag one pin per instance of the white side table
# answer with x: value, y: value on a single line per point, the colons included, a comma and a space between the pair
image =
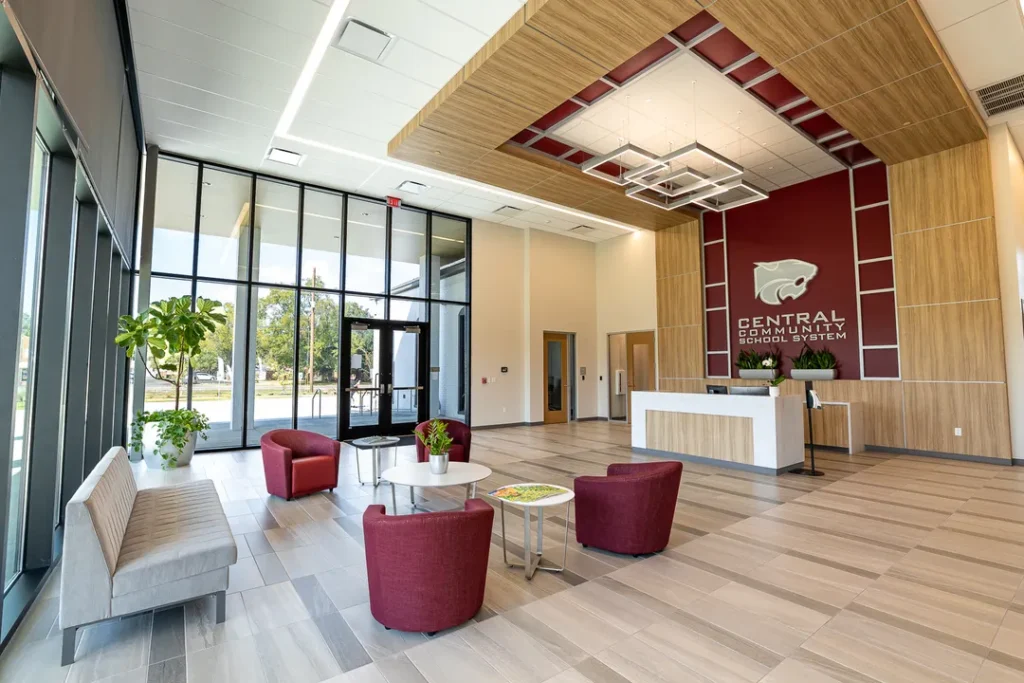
x: 376, y: 444
x: 418, y: 474
x: 532, y: 558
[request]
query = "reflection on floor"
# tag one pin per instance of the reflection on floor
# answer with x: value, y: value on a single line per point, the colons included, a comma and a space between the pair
x: 887, y: 569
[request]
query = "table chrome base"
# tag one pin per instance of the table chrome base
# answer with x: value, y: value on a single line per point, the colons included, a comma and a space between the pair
x: 374, y: 465
x: 532, y: 558
x: 470, y: 493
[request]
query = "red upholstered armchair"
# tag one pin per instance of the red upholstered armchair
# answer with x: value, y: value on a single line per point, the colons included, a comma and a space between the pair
x: 427, y: 572
x: 630, y: 511
x: 460, y: 433
x: 296, y: 463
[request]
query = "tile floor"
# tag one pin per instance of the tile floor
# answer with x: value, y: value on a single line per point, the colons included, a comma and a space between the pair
x: 888, y: 569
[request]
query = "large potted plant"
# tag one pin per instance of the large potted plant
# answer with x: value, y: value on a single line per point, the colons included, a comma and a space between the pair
x: 167, y: 336
x: 814, y: 365
x: 437, y: 440
x: 755, y: 365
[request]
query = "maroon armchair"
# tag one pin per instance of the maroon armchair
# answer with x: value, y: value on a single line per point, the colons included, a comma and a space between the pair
x: 460, y: 433
x: 427, y: 572
x: 630, y: 511
x: 296, y: 462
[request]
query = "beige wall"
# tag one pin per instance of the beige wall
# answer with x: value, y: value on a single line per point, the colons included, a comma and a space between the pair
x: 527, y: 282
x: 1008, y: 188
x: 626, y: 297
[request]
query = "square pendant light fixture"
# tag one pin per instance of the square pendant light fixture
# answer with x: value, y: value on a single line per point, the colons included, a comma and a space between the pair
x: 705, y: 175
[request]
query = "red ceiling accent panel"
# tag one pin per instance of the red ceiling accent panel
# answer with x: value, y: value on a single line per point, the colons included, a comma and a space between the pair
x: 714, y: 297
x: 593, y: 91
x: 551, y: 146
x: 723, y: 48
x: 611, y: 168
x: 714, y: 264
x: 878, y: 313
x: 841, y: 140
x: 874, y: 238
x: 877, y: 275
x: 749, y: 72
x: 695, y: 26
x: 579, y: 157
x: 855, y: 154
x: 718, y: 365
x: 717, y: 331
x: 524, y: 136
x: 884, y: 363
x: 559, y: 113
x: 712, y: 226
x: 870, y: 185
x: 635, y: 65
x: 800, y: 110
x: 777, y: 91
x: 821, y: 125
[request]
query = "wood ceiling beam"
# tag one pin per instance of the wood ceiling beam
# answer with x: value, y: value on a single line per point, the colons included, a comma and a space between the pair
x: 545, y: 54
x: 875, y: 66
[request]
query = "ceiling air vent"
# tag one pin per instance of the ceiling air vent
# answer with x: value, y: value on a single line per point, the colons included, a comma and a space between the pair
x: 582, y: 230
x: 508, y: 211
x: 363, y: 40
x: 1003, y: 97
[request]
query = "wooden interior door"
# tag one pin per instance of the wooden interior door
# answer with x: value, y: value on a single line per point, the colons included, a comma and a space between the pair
x: 556, y: 378
x: 639, y: 367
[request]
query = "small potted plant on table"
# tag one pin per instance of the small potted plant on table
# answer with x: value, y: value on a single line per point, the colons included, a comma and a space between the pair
x: 167, y: 336
x: 437, y: 440
x: 814, y: 365
x: 756, y: 365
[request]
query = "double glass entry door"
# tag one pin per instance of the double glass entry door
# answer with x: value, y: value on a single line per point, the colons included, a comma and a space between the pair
x: 387, y: 378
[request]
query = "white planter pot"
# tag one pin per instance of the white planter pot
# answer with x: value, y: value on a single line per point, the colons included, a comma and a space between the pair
x: 155, y: 458
x: 775, y: 392
x: 759, y: 374
x: 438, y: 463
x: 811, y: 375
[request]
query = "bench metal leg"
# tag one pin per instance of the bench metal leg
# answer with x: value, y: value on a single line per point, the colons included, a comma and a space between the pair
x: 67, y: 652
x: 222, y: 599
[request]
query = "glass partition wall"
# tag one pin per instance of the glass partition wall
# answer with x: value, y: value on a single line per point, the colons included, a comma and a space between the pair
x: 344, y: 316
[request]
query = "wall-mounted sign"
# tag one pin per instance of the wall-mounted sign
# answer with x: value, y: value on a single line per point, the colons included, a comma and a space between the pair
x: 776, y: 281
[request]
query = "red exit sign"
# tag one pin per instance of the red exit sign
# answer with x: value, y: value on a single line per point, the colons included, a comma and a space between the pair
x: 394, y: 202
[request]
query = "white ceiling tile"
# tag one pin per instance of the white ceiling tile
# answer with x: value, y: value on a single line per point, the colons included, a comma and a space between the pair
x: 822, y: 166
x: 806, y: 156
x: 793, y: 145
x: 485, y: 17
x: 420, y: 64
x: 756, y: 158
x: 771, y: 168
x: 203, y: 100
x: 421, y: 24
x: 342, y: 76
x: 944, y: 13
x: 788, y: 177
x: 989, y: 46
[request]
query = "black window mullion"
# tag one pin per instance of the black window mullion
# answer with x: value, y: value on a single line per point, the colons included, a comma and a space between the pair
x: 343, y: 349
x: 298, y: 310
x: 387, y: 261
x: 195, y: 266
x: 248, y: 316
x: 429, y: 251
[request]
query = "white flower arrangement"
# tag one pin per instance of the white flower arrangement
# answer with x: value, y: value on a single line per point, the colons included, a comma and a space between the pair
x: 769, y: 363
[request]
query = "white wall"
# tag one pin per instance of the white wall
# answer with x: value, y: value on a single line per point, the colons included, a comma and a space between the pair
x: 1008, y: 186
x: 498, y: 310
x: 626, y: 296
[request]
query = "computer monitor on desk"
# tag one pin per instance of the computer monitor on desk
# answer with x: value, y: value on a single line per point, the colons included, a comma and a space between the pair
x: 717, y: 389
x: 750, y: 391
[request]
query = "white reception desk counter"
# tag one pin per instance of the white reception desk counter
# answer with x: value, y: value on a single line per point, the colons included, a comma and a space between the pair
x: 759, y: 433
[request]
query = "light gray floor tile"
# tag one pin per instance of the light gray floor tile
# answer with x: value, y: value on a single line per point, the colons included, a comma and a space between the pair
x: 243, y: 547
x: 271, y: 568
x: 243, y: 524
x: 272, y: 606
x: 517, y: 656
x: 202, y: 630
x: 450, y: 659
x: 243, y: 575
x: 399, y: 669
x: 377, y: 641
x: 36, y: 662
x: 168, y: 671
x: 110, y: 648
x: 344, y: 645
x: 346, y: 586
x: 237, y: 661
x: 258, y: 543
x: 168, y: 635
x: 313, y: 596
x: 296, y: 653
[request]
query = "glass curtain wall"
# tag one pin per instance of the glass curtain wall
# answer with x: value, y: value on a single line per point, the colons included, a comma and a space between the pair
x: 289, y: 263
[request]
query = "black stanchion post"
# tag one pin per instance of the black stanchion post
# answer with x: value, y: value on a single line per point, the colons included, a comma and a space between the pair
x: 809, y: 401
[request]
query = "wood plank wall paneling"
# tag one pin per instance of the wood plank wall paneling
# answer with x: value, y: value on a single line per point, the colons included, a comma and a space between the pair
x: 951, y: 341
x: 680, y: 293
x: 830, y: 427
x: 876, y: 66
x: 947, y: 264
x: 709, y: 436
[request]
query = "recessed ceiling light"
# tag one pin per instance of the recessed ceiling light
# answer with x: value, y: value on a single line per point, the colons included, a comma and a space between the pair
x: 412, y: 187
x: 284, y: 156
x: 508, y: 210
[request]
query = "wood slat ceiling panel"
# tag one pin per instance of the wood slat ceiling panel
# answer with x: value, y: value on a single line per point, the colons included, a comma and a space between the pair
x: 609, y: 33
x: 476, y: 116
x: 782, y: 29
x: 437, y: 150
x: 502, y: 170
x: 928, y: 137
x: 885, y: 49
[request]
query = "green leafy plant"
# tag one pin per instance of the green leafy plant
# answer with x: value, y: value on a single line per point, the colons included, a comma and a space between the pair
x: 168, y: 336
x: 436, y: 439
x: 755, y: 360
x: 809, y: 359
x: 777, y: 381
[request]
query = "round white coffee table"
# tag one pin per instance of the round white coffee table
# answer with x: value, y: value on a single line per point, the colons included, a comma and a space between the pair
x: 532, y: 559
x: 376, y: 444
x: 418, y: 474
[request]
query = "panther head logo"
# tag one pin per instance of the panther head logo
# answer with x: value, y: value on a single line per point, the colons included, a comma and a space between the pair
x: 776, y: 281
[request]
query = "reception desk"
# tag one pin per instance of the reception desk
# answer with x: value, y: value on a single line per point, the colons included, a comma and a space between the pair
x: 757, y: 433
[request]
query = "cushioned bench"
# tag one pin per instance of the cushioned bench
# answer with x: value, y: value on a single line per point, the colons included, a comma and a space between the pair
x: 128, y: 551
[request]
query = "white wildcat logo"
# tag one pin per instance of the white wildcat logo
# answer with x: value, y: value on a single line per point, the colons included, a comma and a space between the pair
x: 778, y: 280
